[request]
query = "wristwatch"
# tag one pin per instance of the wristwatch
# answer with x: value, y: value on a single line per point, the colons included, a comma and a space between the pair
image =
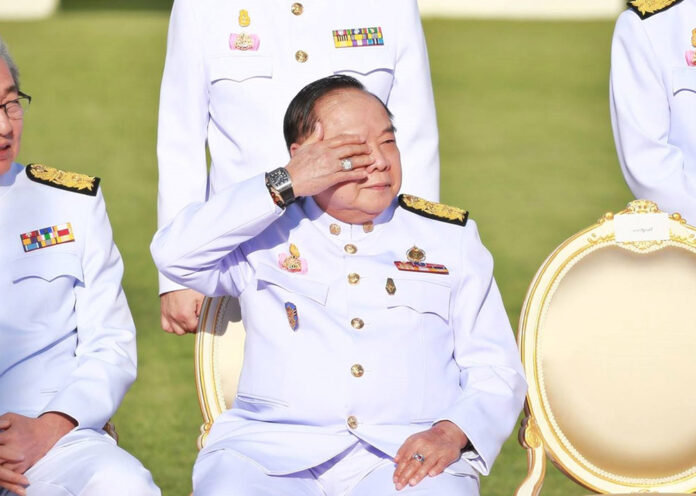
x: 279, y: 185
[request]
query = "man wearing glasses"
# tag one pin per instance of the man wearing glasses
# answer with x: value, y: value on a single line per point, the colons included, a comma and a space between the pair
x: 67, y: 339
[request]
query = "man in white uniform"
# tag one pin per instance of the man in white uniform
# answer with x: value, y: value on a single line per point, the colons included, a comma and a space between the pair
x: 653, y: 102
x: 378, y: 357
x: 231, y: 69
x: 67, y: 339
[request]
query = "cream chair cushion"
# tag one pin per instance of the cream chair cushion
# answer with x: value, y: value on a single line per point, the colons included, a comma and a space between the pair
x: 608, y: 338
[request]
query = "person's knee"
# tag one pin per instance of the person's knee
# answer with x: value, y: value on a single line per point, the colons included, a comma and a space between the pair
x: 120, y: 479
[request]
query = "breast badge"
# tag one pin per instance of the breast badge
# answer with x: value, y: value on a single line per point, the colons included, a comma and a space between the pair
x: 244, y: 42
x: 291, y: 311
x: 691, y: 54
x: 244, y: 19
x: 292, y: 262
x: 359, y: 37
x: 47, y: 236
x: 415, y: 254
x: 390, y: 287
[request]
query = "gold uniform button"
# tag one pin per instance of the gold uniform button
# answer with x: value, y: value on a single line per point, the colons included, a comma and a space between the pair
x: 357, y: 323
x: 352, y: 422
x: 353, y: 278
x: 297, y: 8
x: 349, y: 248
x: 368, y: 227
x: 357, y: 370
x: 335, y: 229
x: 301, y: 56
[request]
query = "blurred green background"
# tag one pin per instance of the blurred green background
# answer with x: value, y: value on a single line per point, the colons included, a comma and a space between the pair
x: 526, y: 146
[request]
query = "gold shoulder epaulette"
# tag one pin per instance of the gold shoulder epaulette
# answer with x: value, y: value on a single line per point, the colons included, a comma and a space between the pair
x: 432, y: 210
x: 69, y: 181
x: 647, y: 8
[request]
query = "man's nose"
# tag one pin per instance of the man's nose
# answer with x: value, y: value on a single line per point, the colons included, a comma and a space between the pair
x: 5, y: 124
x: 381, y: 163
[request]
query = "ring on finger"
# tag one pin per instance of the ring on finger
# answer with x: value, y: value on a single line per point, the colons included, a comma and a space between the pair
x: 419, y: 458
x: 346, y: 164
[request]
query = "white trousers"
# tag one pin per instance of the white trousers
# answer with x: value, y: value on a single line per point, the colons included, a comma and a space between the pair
x: 360, y: 471
x: 88, y: 463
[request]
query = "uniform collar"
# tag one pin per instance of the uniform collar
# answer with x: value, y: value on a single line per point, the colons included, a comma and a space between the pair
x: 8, y: 178
x: 336, y: 229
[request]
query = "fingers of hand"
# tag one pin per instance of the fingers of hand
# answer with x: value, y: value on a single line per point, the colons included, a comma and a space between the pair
x: 345, y: 140
x: 438, y: 468
x: 317, y: 134
x: 12, y: 480
x: 10, y: 455
x: 357, y: 162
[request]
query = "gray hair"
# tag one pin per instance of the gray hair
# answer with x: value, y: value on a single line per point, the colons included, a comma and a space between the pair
x: 5, y: 55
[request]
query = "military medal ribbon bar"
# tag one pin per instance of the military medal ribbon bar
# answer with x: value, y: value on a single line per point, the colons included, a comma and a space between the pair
x: 47, y: 236
x: 359, y: 37
x: 421, y: 267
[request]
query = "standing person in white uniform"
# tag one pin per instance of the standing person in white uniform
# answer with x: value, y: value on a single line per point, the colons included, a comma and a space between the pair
x: 653, y: 102
x: 233, y: 66
x: 378, y: 357
x: 67, y: 339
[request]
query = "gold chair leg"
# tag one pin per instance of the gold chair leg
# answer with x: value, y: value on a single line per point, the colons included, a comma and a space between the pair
x: 536, y: 458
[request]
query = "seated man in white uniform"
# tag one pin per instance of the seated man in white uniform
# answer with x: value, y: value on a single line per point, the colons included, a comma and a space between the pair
x: 378, y: 357
x: 67, y: 339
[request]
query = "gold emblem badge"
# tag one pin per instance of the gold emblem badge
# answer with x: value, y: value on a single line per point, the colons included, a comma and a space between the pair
x: 390, y: 287
x: 244, y: 42
x: 292, y: 263
x: 415, y: 254
x: 244, y: 19
x: 70, y: 181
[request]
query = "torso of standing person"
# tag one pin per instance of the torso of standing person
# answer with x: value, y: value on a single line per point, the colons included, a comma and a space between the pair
x: 654, y: 102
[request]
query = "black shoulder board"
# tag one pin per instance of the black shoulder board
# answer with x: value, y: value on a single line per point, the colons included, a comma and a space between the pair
x: 432, y: 210
x: 69, y: 181
x: 647, y: 8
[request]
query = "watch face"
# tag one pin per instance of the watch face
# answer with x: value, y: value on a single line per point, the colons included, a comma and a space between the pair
x: 279, y: 177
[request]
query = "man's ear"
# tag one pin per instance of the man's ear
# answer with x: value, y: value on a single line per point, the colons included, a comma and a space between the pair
x: 293, y: 149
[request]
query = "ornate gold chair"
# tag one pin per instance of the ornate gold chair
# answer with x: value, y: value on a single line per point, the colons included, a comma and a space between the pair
x: 608, y: 342
x: 219, y: 353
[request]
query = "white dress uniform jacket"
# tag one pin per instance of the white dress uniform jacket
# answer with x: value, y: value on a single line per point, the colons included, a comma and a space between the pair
x: 363, y: 361
x: 653, y: 105
x: 234, y: 100
x: 66, y: 333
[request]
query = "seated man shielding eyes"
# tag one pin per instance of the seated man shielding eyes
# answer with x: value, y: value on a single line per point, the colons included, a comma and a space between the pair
x: 378, y: 356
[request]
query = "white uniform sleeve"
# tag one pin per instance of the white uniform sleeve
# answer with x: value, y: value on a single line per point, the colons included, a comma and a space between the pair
x: 640, y: 115
x: 491, y: 376
x: 183, y: 119
x: 105, y: 352
x: 411, y: 102
x: 199, y: 248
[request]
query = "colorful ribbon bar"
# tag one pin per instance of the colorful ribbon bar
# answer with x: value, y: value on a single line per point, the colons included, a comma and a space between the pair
x: 345, y: 38
x: 47, y: 236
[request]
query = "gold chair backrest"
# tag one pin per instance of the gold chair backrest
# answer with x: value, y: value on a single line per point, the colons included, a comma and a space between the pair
x: 608, y: 342
x: 219, y: 353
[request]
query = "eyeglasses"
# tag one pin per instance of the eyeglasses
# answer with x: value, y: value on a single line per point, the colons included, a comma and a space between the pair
x: 15, y: 109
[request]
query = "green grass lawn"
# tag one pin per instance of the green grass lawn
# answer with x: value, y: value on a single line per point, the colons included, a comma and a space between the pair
x: 526, y: 146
